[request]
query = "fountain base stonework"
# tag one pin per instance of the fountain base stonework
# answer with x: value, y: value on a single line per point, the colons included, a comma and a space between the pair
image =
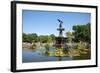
x: 60, y: 42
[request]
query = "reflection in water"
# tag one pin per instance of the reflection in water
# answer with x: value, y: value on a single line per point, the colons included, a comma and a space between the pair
x: 49, y: 53
x: 41, y: 55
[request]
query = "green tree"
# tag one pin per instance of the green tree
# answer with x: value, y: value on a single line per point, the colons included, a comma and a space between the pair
x: 30, y: 37
x: 49, y: 39
x: 70, y: 36
x: 24, y: 39
x: 53, y: 37
x: 82, y: 33
x: 34, y: 37
x: 42, y: 39
x: 45, y: 39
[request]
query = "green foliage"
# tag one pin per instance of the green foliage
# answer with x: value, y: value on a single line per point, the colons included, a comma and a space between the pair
x: 43, y: 39
x: 46, y: 38
x: 82, y: 32
x: 78, y: 46
x: 52, y: 37
x: 33, y: 37
x: 49, y: 39
x: 24, y: 37
x: 82, y: 56
x: 47, y: 46
x: 70, y: 36
x: 30, y: 37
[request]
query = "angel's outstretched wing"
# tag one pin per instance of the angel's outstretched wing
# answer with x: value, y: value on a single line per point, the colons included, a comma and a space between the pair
x: 59, y: 20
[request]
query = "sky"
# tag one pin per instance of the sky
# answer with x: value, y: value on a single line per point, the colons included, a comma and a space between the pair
x: 46, y: 23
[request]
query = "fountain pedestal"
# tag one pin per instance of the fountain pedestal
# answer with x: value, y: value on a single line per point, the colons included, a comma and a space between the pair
x: 60, y: 41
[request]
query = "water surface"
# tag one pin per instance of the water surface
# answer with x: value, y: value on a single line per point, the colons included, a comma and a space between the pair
x: 36, y: 56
